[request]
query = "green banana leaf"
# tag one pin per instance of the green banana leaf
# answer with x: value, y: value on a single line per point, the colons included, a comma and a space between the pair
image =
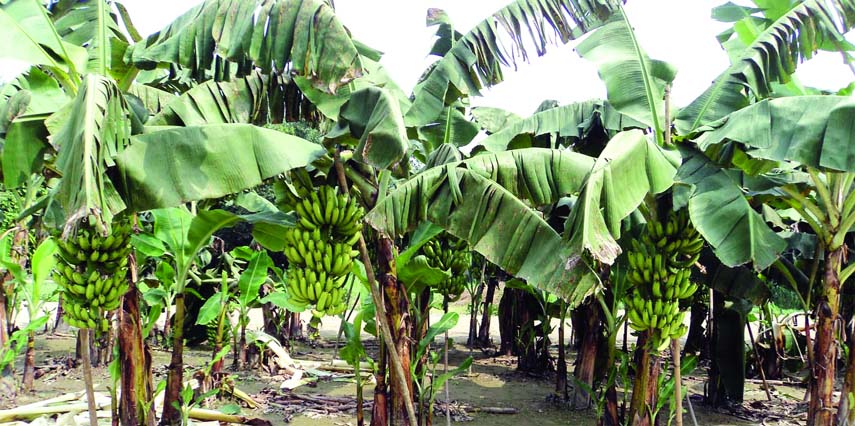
x: 772, y: 56
x: 173, y: 166
x: 240, y: 100
x: 815, y: 131
x: 573, y: 121
x: 722, y: 215
x: 444, y: 154
x: 452, y: 127
x: 635, y: 83
x: 253, y: 277
x: 493, y: 120
x: 91, y: 25
x: 154, y: 99
x: 185, y: 234
x: 97, y: 128
x: 476, y: 59
x: 300, y: 36
x: 460, y: 199
x: 24, y: 150
x: 374, y: 75
x: 629, y: 168
x: 44, y: 94
x: 371, y: 120
x: 27, y: 34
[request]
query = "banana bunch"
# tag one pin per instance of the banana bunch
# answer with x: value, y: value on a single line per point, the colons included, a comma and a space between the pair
x: 78, y: 314
x: 452, y: 254
x: 662, y: 315
x: 92, y: 272
x: 660, y: 265
x: 339, y: 214
x: 211, y: 329
x: 320, y: 248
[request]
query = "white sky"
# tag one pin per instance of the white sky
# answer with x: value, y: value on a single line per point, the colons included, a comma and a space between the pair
x: 680, y: 32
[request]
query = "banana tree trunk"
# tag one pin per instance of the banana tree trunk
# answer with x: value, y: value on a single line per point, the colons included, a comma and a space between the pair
x: 397, y: 309
x: 561, y: 368
x: 380, y: 411
x: 135, y: 359
x: 473, y: 315
x: 845, y: 412
x: 821, y: 407
x: 587, y: 359
x: 696, y: 340
x: 487, y: 306
x: 175, y: 378
x: 646, y: 376
x: 30, y: 362
x: 19, y: 255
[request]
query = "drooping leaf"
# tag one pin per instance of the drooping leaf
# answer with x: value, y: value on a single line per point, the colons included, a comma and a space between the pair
x: 493, y: 120
x: 476, y: 60
x: 300, y: 36
x: 635, y: 83
x: 371, y: 120
x: 237, y: 101
x: 573, y: 121
x: 97, y: 129
x: 815, y: 131
x: 451, y: 127
x: 489, y: 217
x: 444, y: 154
x: 771, y: 57
x: 722, y: 215
x: 153, y: 98
x: 176, y: 165
x: 630, y: 167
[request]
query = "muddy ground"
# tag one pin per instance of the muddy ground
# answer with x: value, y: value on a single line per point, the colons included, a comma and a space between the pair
x: 494, y: 382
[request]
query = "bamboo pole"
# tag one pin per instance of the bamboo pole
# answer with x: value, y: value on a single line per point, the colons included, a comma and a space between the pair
x: 678, y: 381
x: 87, y: 377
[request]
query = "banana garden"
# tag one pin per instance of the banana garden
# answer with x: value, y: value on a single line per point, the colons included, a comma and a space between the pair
x: 242, y: 219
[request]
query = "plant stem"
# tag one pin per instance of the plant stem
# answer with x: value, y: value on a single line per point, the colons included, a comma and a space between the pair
x: 445, y: 369
x: 678, y: 381
x: 30, y: 361
x: 757, y: 360
x: 175, y: 377
x: 381, y: 319
x: 87, y: 377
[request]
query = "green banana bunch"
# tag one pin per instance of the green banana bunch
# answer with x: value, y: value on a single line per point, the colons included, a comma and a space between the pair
x: 212, y: 327
x: 449, y: 253
x: 320, y: 249
x: 92, y: 273
x: 660, y: 263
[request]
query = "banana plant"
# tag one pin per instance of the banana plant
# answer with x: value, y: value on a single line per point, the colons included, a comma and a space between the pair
x: 249, y: 283
x: 824, y: 202
x: 36, y: 289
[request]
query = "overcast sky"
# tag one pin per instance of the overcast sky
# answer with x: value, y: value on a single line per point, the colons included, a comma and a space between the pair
x: 680, y: 32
